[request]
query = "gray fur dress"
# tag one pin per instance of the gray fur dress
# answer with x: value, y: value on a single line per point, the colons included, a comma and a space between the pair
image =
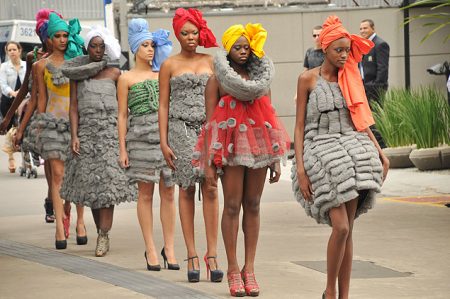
x: 94, y: 178
x: 340, y: 162
x: 146, y: 160
x: 186, y: 116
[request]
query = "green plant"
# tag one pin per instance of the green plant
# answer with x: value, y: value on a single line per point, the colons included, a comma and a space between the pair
x: 389, y: 120
x: 427, y: 117
x: 439, y: 20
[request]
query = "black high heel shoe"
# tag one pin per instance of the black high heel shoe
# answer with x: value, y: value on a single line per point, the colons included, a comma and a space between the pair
x: 151, y: 267
x: 49, y: 214
x: 60, y: 244
x: 81, y: 240
x: 168, y: 265
x: 215, y: 275
x: 193, y: 275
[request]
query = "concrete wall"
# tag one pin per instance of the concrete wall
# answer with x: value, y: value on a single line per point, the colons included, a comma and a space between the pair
x: 290, y: 35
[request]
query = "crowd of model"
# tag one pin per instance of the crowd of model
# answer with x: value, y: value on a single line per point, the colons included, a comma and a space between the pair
x: 193, y: 118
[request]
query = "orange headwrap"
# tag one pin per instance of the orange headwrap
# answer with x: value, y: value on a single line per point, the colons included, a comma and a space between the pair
x: 207, y: 38
x: 349, y: 78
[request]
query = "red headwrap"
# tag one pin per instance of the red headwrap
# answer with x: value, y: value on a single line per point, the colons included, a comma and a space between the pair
x: 207, y: 38
x: 42, y: 16
x: 349, y: 78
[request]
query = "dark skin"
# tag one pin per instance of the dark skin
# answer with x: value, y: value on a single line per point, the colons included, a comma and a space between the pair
x: 103, y: 217
x: 340, y: 244
x: 189, y: 61
x: 242, y: 186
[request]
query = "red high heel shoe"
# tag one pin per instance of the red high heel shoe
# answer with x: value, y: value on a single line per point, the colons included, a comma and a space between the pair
x: 236, y: 285
x: 250, y: 284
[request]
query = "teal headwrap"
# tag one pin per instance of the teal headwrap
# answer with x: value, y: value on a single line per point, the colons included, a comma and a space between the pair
x: 55, y: 24
x: 75, y: 41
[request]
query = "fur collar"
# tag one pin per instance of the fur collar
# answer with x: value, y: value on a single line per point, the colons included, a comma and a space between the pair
x: 81, y: 68
x: 261, y: 72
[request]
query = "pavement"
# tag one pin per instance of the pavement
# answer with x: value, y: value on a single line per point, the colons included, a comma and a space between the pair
x: 401, y: 247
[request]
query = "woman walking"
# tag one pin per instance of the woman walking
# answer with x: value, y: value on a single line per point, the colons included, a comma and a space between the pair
x: 92, y: 176
x: 182, y: 83
x: 339, y: 165
x: 52, y: 131
x: 140, y: 153
x: 240, y: 141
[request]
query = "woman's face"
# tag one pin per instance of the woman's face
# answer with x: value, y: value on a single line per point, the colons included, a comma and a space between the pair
x: 13, y: 51
x: 59, y: 41
x: 337, y: 52
x: 240, y: 51
x: 146, y: 51
x: 189, y: 36
x: 96, y: 48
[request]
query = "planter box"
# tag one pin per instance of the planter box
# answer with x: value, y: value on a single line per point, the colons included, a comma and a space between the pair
x: 399, y: 156
x: 445, y: 157
x: 426, y: 158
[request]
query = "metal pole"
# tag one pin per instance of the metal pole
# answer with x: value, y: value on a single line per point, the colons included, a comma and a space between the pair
x: 406, y: 45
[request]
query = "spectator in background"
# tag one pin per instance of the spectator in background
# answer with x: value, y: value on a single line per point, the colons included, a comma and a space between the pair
x: 374, y: 66
x: 314, y: 56
x: 12, y: 73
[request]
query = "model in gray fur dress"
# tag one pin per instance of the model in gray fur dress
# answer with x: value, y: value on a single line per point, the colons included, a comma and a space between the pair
x: 186, y: 115
x: 146, y: 161
x: 94, y: 178
x: 340, y: 162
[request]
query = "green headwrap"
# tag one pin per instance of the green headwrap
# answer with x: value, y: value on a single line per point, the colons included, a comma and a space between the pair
x: 55, y: 24
x: 75, y: 41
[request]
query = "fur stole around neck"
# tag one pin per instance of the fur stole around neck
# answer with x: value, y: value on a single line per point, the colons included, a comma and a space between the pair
x: 261, y: 72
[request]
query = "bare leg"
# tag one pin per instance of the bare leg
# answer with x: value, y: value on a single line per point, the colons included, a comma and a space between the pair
x: 96, y: 216
x: 145, y: 216
x: 211, y: 217
x: 167, y: 215
x: 57, y: 169
x: 254, y: 184
x: 346, y: 266
x: 106, y: 218
x: 232, y: 184
x: 336, y: 247
x: 187, y: 212
x: 80, y: 228
x: 48, y: 177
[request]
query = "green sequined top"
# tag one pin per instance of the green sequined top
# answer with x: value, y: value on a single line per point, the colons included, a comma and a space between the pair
x: 143, y: 97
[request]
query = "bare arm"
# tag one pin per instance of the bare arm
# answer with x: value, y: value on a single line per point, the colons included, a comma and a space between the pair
x: 41, y: 87
x: 73, y: 117
x: 163, y: 113
x: 383, y: 158
x: 122, y: 95
x: 303, y: 83
x: 23, y: 91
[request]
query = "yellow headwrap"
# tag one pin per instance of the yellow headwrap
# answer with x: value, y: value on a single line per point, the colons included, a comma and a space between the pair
x: 254, y: 33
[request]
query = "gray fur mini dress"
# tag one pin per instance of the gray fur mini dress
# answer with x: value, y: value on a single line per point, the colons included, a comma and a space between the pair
x: 186, y: 116
x: 146, y: 160
x: 51, y: 129
x: 94, y: 178
x: 341, y: 163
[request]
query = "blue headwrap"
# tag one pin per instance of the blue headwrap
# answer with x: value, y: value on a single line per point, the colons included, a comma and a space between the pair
x: 55, y: 24
x: 43, y: 32
x: 138, y: 33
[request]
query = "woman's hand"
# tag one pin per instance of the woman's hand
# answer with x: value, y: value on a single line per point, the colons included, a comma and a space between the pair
x: 211, y: 174
x: 305, y: 186
x: 17, y: 139
x: 274, y: 172
x: 123, y: 159
x: 169, y: 156
x: 386, y: 163
x: 75, y: 146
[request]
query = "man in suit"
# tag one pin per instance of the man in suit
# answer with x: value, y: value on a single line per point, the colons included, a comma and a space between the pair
x: 375, y: 65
